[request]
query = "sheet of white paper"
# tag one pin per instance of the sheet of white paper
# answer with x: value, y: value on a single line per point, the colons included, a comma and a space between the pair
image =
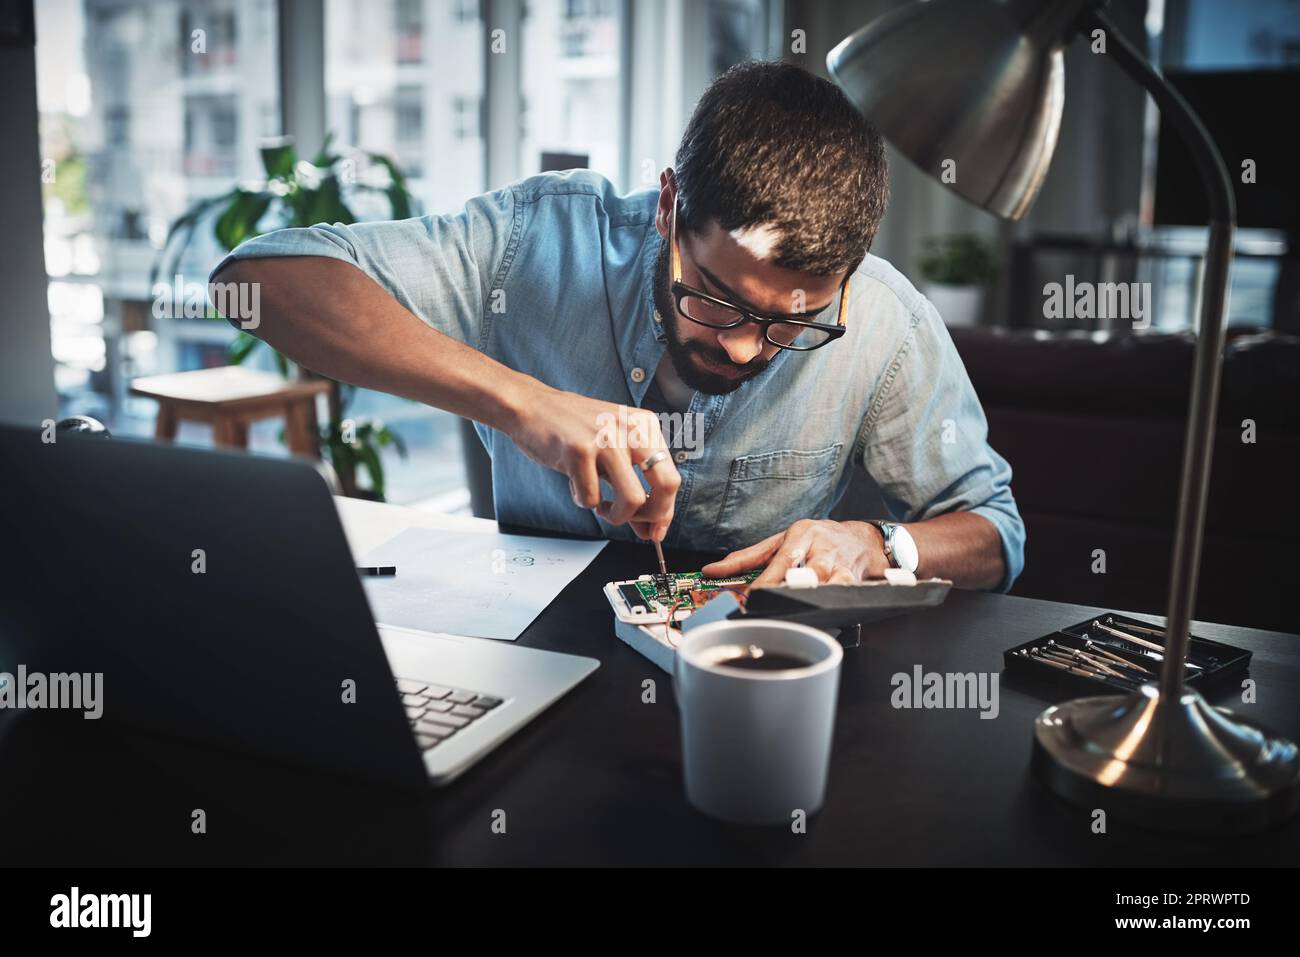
x: 485, y: 585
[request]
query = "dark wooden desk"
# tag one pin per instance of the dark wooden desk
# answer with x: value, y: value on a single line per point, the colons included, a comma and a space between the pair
x: 597, y: 779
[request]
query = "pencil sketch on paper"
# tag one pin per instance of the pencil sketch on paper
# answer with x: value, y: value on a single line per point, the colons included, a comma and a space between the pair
x: 483, y: 585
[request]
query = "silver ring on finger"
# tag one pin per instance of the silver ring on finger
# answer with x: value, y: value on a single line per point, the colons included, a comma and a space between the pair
x: 654, y: 460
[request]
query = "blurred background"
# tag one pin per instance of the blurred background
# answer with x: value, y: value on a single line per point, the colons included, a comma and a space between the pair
x: 140, y: 127
x: 147, y: 107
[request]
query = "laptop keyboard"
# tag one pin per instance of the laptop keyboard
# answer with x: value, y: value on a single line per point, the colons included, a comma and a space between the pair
x: 437, y: 712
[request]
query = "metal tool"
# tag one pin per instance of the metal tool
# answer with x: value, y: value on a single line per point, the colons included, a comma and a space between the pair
x: 1060, y: 659
x: 1066, y: 660
x: 1082, y: 656
x: 1141, y: 629
x: 1037, y: 654
x: 1112, y: 663
x: 659, y: 551
x: 1134, y: 648
x: 1098, y: 649
x: 1141, y: 642
x: 1081, y: 662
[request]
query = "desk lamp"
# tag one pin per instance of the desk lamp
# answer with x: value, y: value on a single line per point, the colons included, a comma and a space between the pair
x: 972, y: 92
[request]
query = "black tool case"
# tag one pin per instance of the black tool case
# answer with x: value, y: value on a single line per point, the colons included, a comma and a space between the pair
x: 1210, y: 664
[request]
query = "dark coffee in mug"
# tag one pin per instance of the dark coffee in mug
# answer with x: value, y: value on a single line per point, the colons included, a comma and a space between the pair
x: 757, y: 700
x: 753, y: 658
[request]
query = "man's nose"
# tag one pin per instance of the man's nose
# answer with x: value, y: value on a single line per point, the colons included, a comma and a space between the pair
x: 742, y: 344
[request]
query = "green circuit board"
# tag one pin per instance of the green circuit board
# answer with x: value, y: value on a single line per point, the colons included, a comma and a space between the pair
x: 689, y: 590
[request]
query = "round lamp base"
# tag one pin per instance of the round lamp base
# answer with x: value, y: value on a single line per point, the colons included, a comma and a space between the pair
x: 1178, y: 765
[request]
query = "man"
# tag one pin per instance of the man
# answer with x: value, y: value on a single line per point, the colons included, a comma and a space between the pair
x: 738, y: 300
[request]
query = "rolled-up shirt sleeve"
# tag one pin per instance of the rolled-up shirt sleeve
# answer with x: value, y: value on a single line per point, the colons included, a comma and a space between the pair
x: 444, y: 269
x: 927, y: 443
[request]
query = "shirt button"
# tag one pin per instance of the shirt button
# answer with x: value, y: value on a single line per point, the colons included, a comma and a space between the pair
x: 638, y: 374
x: 679, y: 457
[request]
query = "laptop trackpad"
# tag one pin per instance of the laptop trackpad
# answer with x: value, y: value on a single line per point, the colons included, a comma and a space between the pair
x: 482, y: 664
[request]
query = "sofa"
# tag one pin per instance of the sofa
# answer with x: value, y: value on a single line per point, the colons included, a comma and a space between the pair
x: 1093, y: 424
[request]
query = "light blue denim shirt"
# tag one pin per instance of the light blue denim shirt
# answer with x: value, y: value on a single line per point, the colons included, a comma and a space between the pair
x: 552, y: 277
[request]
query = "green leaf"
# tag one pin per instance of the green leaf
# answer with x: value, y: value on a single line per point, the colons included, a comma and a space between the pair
x: 394, y: 173
x: 399, y: 195
x: 324, y: 157
x: 959, y: 259
x: 297, y: 201
x: 370, y: 459
x: 278, y: 159
x: 240, y: 219
x: 387, y: 436
x: 241, y: 347
x: 341, y: 454
x: 327, y: 205
x: 400, y: 200
x: 171, y: 251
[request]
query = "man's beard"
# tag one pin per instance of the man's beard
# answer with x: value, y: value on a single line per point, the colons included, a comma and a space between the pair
x: 680, y: 351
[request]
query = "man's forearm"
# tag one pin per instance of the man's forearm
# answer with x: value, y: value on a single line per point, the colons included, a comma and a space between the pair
x: 960, y: 546
x: 332, y: 318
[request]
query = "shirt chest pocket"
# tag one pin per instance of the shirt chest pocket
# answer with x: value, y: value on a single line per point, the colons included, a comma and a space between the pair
x: 768, y: 492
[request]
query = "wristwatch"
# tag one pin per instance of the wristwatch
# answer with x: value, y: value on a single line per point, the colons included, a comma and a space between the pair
x: 900, y: 548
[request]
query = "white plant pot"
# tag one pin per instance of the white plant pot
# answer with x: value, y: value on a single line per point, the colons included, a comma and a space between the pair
x: 957, y: 305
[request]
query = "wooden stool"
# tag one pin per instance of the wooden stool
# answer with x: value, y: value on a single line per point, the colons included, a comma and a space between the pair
x: 232, y: 397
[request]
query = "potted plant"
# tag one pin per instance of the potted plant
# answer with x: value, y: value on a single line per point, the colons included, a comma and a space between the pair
x: 303, y: 193
x: 957, y: 270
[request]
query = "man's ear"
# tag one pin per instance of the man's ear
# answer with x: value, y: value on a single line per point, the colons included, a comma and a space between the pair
x: 667, y: 195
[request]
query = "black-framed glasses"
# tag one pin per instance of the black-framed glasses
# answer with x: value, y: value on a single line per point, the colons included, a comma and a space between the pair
x: 799, y: 335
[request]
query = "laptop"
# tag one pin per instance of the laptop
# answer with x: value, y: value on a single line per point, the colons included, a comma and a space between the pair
x: 216, y: 595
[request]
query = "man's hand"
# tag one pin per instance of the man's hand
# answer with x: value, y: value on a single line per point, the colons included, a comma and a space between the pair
x: 589, y: 440
x: 839, y: 552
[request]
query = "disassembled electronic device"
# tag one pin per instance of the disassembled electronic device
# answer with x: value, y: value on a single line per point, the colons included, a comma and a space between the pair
x: 652, y: 598
x: 651, y: 613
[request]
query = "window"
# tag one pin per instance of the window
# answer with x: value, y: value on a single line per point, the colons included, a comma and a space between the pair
x: 1220, y: 56
x: 467, y: 11
x: 410, y: 26
x: 208, y: 34
x: 410, y: 116
x: 150, y: 105
x: 379, y: 101
x: 145, y: 108
x: 571, y: 72
x: 465, y: 112
x: 736, y: 29
x: 225, y: 134
x: 1201, y: 35
x: 404, y: 78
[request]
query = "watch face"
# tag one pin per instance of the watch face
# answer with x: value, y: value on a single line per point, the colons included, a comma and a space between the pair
x: 904, y: 548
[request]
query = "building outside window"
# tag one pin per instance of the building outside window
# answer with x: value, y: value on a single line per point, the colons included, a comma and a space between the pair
x: 400, y: 78
x: 146, y: 106
x: 571, y: 74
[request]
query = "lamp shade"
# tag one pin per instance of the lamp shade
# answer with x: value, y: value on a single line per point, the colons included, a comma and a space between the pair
x: 971, y: 91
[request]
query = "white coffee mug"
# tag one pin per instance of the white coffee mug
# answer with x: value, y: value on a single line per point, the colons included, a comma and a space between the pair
x: 756, y: 744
